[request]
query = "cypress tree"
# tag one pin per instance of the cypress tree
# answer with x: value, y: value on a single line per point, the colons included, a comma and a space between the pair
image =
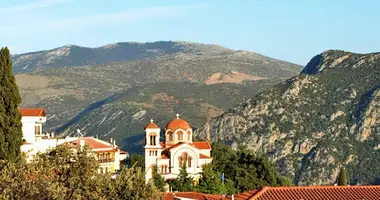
x: 342, y: 179
x: 10, y: 118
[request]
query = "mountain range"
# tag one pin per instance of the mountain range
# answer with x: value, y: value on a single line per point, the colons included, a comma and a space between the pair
x: 313, y: 124
x: 113, y: 91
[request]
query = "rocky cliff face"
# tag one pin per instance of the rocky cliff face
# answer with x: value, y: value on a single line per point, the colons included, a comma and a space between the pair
x: 313, y: 124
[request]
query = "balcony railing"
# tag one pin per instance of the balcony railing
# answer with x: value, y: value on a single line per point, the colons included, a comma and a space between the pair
x: 108, y: 160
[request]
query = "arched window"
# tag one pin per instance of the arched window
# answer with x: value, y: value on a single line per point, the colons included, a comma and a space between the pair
x: 180, y: 163
x: 153, y: 139
x: 184, y: 160
x: 169, y: 137
x: 180, y: 136
x: 188, y: 136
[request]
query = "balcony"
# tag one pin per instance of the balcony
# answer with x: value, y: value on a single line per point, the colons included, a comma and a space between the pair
x: 107, y: 160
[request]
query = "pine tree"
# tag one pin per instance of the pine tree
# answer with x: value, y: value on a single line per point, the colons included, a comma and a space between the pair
x: 183, y: 182
x: 10, y: 118
x: 210, y: 182
x: 158, y: 180
x: 342, y: 179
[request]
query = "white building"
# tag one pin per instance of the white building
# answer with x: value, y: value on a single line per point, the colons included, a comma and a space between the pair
x: 178, y: 149
x: 108, y: 154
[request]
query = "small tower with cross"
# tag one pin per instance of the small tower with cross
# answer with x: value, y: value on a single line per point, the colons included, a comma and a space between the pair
x: 152, y: 146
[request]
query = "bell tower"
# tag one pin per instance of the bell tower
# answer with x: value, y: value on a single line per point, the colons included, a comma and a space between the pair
x: 152, y: 148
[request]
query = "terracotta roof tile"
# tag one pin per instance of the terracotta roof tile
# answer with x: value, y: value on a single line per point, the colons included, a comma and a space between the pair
x: 162, y: 144
x: 93, y: 143
x: 193, y: 195
x: 151, y: 125
x: 202, y: 156
x: 164, y: 157
x: 244, y: 196
x: 123, y: 152
x: 202, y: 145
x: 104, y: 150
x: 32, y: 112
x: 319, y: 192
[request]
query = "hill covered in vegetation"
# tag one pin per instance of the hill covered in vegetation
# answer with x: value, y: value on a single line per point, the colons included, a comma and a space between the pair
x: 314, y: 124
x: 117, y: 99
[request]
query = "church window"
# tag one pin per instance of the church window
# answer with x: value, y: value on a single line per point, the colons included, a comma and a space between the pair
x: 153, y: 139
x: 180, y: 136
x: 189, y: 162
x: 170, y: 137
x: 188, y: 137
x: 180, y: 163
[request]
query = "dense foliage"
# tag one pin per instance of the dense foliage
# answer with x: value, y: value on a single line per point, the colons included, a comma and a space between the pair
x: 246, y: 169
x: 211, y: 182
x: 158, y: 180
x: 65, y: 173
x: 10, y: 118
x: 183, y: 182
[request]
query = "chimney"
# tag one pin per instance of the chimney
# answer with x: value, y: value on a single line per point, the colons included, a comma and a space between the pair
x: 52, y: 134
x: 114, y: 143
x: 111, y: 141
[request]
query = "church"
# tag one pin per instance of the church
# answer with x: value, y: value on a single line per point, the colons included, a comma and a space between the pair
x: 178, y: 149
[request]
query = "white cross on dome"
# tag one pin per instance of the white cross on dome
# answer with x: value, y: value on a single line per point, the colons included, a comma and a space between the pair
x: 177, y: 115
x: 151, y: 120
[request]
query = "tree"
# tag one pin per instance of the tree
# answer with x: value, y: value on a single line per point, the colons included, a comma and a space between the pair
x: 10, y: 118
x: 210, y: 182
x: 246, y: 169
x: 158, y: 180
x: 183, y: 182
x: 136, y: 160
x: 342, y: 178
x: 65, y: 173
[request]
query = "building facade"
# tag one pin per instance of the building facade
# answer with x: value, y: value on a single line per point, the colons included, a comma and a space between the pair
x: 108, y: 154
x: 178, y: 149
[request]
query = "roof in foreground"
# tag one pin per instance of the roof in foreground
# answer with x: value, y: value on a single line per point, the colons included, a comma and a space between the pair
x: 313, y: 193
x: 192, y: 195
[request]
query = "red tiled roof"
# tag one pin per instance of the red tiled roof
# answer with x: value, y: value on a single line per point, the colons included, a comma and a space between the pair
x: 198, y: 145
x: 176, y: 145
x: 123, y: 152
x: 316, y: 193
x: 104, y: 150
x: 202, y: 145
x: 202, y: 156
x: 244, y: 196
x: 32, y: 112
x: 92, y: 143
x: 192, y: 195
x: 151, y: 125
x: 162, y: 144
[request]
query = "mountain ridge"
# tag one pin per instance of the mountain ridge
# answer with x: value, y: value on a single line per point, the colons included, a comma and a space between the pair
x: 200, y: 85
x: 313, y: 124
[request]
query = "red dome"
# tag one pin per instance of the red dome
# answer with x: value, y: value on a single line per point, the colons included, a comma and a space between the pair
x: 178, y: 124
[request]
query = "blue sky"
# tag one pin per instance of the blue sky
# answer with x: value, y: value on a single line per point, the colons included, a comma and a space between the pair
x: 291, y: 30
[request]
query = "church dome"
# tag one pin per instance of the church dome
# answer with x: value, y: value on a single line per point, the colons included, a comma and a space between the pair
x: 178, y: 124
x: 151, y: 125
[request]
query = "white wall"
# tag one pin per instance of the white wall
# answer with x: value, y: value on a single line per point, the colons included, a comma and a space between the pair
x: 28, y: 124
